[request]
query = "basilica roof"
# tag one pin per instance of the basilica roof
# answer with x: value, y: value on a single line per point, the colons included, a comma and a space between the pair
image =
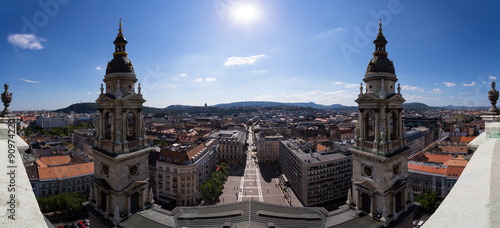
x: 380, y: 63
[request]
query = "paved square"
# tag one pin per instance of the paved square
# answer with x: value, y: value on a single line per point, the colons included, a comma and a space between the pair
x: 253, y: 182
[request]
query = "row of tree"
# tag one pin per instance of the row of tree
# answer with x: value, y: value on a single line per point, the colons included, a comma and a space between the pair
x: 59, y: 131
x: 64, y: 203
x: 211, y: 189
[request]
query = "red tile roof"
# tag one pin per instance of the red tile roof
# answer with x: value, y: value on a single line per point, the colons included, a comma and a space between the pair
x: 467, y: 139
x: 56, y: 160
x: 65, y: 171
x: 427, y: 168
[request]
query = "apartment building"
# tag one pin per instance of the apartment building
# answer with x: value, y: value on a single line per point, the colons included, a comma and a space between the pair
x: 316, y: 177
x: 181, y: 170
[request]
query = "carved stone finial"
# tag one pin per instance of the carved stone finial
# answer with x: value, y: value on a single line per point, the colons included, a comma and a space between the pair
x: 493, y: 97
x: 6, y: 99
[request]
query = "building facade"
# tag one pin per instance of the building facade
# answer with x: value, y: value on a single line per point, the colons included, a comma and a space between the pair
x: 181, y: 172
x: 231, y: 146
x: 268, y: 148
x: 121, y: 177
x: 380, y: 154
x: 315, y: 177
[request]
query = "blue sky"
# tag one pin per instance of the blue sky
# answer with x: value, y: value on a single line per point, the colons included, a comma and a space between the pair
x: 199, y: 51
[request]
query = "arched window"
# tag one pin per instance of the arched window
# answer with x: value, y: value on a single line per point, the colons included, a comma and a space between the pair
x: 370, y: 126
x: 107, y: 125
x: 130, y: 126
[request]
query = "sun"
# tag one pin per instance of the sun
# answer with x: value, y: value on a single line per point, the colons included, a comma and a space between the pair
x: 245, y: 12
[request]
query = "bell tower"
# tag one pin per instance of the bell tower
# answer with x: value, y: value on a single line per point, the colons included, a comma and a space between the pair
x: 120, y: 153
x: 380, y: 156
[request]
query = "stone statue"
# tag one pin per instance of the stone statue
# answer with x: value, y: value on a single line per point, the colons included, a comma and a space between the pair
x: 493, y: 97
x: 118, y: 93
x: 381, y: 93
x: 360, y: 89
x: 382, y: 136
x: 356, y: 131
x: 139, y: 89
x: 399, y: 88
x: 6, y: 99
x: 102, y: 89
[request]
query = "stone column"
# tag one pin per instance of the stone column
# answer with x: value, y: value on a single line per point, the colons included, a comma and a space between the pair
x: 377, y: 128
x: 400, y: 124
x: 388, y: 125
x: 124, y: 124
x: 372, y: 206
x: 361, y: 125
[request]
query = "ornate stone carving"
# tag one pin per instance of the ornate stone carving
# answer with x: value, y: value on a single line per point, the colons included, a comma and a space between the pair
x: 360, y: 89
x: 493, y: 96
x: 6, y: 99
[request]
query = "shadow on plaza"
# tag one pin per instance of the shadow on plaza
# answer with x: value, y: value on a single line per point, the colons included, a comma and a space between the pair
x: 236, y: 170
x: 268, y: 172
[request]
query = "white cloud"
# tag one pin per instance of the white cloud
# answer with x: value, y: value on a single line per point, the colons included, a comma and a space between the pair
x: 493, y: 77
x: 338, y: 83
x: 463, y: 93
x: 412, y: 88
x: 211, y: 79
x: 435, y: 91
x: 471, y: 84
x: 352, y: 86
x: 327, y: 33
x: 98, y: 68
x: 26, y: 80
x: 89, y: 93
x: 183, y: 75
x: 26, y: 41
x: 199, y: 80
x: 449, y: 84
x: 242, y: 60
x: 76, y: 94
x: 258, y: 71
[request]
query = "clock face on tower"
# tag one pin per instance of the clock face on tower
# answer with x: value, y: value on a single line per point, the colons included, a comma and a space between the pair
x: 132, y: 170
x: 395, y: 170
x: 367, y: 171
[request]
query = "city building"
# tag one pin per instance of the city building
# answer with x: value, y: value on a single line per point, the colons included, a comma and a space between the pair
x: 415, y: 140
x: 79, y: 136
x: 380, y: 155
x: 231, y: 146
x: 434, y: 172
x: 181, y: 171
x: 267, y: 148
x: 50, y: 122
x: 316, y: 177
x: 120, y: 186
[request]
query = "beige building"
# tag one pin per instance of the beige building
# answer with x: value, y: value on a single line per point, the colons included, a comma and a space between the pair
x: 268, y: 148
x: 231, y: 146
x: 315, y: 177
x: 181, y: 171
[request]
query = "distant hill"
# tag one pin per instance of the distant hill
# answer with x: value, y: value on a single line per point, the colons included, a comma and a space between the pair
x: 266, y: 104
x: 90, y: 107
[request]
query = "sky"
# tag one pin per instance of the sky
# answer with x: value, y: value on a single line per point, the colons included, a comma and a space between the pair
x: 192, y: 52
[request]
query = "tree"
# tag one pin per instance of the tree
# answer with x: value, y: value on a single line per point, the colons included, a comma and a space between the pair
x: 429, y: 201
